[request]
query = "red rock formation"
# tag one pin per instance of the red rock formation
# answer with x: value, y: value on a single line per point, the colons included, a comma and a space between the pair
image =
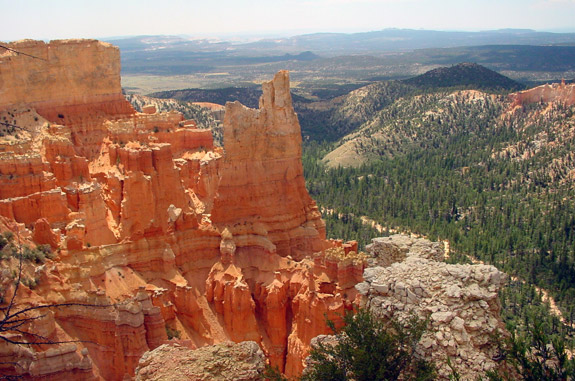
x: 44, y: 235
x: 81, y: 75
x: 148, y: 218
x: 262, y: 175
x: 559, y: 93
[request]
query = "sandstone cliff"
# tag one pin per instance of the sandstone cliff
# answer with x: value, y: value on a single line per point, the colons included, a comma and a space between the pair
x: 558, y: 93
x: 63, y: 72
x: 156, y: 231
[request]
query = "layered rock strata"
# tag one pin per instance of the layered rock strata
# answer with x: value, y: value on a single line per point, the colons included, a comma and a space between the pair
x: 557, y: 92
x: 269, y: 172
x: 155, y: 231
x: 407, y: 276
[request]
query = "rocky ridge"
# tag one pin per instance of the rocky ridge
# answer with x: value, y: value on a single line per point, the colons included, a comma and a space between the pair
x: 152, y: 228
x: 406, y: 121
x: 206, y: 115
x: 408, y: 276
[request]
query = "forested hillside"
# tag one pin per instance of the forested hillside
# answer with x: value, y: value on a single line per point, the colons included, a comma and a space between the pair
x: 464, y: 75
x: 494, y: 179
x: 248, y: 96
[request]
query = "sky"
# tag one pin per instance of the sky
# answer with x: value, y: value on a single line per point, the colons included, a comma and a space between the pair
x: 54, y: 19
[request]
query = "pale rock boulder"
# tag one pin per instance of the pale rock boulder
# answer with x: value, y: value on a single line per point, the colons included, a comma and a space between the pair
x: 227, y: 361
x: 408, y: 277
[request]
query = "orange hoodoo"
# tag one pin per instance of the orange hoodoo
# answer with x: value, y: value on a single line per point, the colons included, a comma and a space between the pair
x: 148, y: 218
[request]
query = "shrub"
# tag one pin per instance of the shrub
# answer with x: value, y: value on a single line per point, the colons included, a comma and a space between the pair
x: 172, y: 333
x: 534, y: 357
x: 369, y: 349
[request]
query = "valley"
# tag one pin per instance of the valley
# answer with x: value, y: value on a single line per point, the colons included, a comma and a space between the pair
x: 328, y: 62
x: 499, y: 166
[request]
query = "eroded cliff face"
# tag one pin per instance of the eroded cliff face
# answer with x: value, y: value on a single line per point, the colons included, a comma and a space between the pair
x: 263, y: 159
x: 557, y: 93
x: 153, y: 228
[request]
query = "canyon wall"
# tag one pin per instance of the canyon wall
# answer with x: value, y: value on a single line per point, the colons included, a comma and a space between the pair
x: 557, y: 93
x: 154, y: 232
x: 63, y: 72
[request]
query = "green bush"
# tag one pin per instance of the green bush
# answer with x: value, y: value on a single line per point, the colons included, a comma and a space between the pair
x: 369, y: 349
x: 172, y: 333
x: 535, y: 356
x: 39, y: 254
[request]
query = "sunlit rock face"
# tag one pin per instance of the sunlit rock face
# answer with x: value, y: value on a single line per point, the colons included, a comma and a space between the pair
x: 557, y: 93
x: 244, y: 361
x: 156, y: 231
x: 262, y: 181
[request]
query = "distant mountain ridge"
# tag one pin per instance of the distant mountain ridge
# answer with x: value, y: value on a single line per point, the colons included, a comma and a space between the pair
x: 336, y: 43
x: 333, y: 118
x: 386, y: 54
x: 410, y: 39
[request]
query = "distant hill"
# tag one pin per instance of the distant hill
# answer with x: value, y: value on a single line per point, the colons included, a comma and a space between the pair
x: 464, y: 75
x: 332, y: 119
x: 248, y: 96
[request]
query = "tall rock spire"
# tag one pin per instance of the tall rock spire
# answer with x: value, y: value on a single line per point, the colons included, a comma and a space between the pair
x: 262, y: 179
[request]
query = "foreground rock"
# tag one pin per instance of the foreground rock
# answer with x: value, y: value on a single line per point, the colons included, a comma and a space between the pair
x: 227, y: 361
x: 151, y: 226
x: 407, y: 276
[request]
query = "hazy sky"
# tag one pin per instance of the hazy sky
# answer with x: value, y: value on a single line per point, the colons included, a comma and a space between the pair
x: 51, y: 19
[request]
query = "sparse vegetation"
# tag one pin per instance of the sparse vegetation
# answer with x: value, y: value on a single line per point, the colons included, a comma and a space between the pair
x: 15, y: 319
x: 534, y: 356
x: 367, y: 349
x: 37, y: 255
x: 172, y: 333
